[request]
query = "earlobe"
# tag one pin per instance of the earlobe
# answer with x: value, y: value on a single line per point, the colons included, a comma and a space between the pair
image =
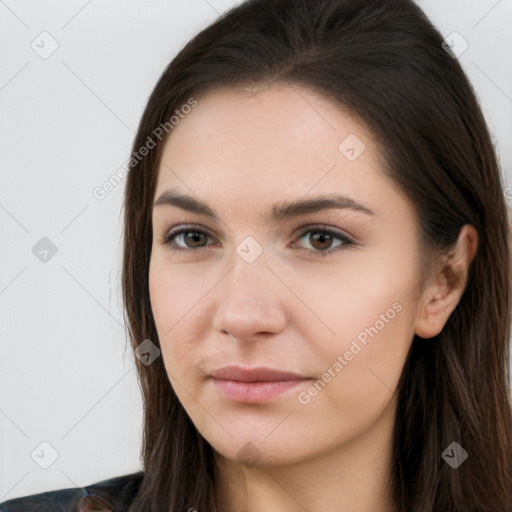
x: 441, y: 297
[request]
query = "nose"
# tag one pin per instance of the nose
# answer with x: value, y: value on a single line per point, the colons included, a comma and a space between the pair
x: 250, y: 301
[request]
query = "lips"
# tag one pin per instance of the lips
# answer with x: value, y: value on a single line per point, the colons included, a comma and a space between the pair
x: 254, y: 385
x: 257, y: 374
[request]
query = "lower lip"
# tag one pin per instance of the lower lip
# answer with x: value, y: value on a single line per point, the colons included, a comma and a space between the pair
x: 254, y: 392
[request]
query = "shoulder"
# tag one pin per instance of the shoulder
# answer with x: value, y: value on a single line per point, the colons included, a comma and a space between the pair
x: 111, y: 495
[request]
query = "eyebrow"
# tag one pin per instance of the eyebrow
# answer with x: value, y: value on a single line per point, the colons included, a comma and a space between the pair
x: 279, y: 212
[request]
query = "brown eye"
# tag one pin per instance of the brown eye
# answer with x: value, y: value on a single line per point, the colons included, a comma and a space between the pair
x: 321, y: 241
x: 190, y: 239
x: 193, y: 238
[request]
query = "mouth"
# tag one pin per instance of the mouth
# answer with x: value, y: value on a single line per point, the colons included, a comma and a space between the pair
x: 253, y: 385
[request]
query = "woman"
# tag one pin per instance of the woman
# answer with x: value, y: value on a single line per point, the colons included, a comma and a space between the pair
x: 316, y: 272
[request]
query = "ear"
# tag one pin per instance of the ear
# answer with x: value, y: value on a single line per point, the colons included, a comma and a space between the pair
x: 446, y: 286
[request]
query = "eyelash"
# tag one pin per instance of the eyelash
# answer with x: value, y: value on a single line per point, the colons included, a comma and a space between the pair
x: 347, y: 242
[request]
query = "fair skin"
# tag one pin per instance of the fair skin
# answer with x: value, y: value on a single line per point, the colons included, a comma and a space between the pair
x: 242, y: 153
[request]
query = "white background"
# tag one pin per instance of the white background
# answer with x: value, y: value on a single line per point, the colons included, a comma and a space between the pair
x: 67, y: 125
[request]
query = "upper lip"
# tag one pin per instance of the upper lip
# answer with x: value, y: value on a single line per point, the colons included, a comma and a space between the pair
x: 257, y: 374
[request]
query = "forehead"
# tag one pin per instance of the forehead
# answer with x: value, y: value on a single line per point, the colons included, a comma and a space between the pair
x: 282, y: 117
x: 245, y: 148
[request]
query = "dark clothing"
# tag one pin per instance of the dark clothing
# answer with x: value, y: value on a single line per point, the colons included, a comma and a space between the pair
x: 112, y: 495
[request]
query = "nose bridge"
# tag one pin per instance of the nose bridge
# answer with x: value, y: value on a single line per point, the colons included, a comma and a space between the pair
x: 249, y: 279
x: 249, y: 301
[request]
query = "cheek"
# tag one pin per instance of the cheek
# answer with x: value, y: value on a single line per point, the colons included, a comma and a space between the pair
x: 362, y: 368
x: 375, y: 327
x: 370, y: 306
x: 173, y: 290
x: 175, y: 296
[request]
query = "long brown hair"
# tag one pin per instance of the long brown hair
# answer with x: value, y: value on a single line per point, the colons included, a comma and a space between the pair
x: 385, y: 62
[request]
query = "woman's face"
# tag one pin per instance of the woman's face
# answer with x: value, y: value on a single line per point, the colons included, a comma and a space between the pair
x: 336, y: 308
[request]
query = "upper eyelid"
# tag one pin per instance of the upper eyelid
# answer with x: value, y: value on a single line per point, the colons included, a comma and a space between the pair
x: 300, y: 226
